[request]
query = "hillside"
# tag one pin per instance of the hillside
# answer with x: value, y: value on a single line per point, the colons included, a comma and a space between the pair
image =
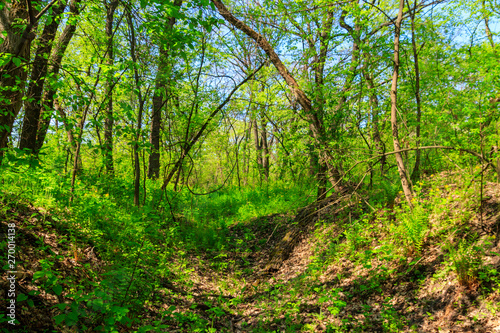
x: 355, y: 269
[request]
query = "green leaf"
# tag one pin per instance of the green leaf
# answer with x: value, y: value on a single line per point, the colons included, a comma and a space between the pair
x: 38, y: 275
x: 57, y: 289
x: 73, y: 316
x: 61, y: 306
x: 59, y: 318
x: 17, y: 61
x: 21, y: 297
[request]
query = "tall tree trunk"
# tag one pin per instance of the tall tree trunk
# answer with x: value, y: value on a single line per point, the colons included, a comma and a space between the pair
x: 265, y: 148
x: 159, y: 99
x: 53, y: 72
x: 109, y: 120
x: 403, y: 174
x: 416, y: 169
x: 137, y: 168
x: 257, y: 145
x: 158, y: 102
x: 33, y: 104
x: 16, y: 42
x: 374, y: 105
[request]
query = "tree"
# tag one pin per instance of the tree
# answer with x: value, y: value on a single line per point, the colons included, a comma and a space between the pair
x: 316, y: 125
x: 54, y: 64
x: 109, y: 55
x: 161, y: 95
x: 403, y: 173
x: 15, y: 25
x: 33, y: 104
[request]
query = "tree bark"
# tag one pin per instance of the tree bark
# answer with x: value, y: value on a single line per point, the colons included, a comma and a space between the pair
x: 416, y: 169
x: 137, y: 169
x: 257, y: 144
x: 53, y: 72
x: 159, y: 100
x: 33, y: 104
x: 109, y: 120
x: 265, y: 148
x: 403, y: 174
x: 13, y: 75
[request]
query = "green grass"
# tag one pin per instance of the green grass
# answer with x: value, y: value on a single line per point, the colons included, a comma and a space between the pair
x: 144, y: 247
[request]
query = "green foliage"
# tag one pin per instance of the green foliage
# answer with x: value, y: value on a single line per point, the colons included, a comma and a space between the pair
x: 354, y: 234
x: 467, y: 262
x: 181, y: 239
x: 412, y: 227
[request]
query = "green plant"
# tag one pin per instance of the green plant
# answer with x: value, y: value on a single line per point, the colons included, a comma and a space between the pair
x: 413, y: 228
x: 491, y: 276
x: 392, y: 321
x: 466, y: 259
x: 354, y: 236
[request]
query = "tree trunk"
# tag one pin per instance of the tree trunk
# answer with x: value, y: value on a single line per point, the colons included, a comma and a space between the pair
x: 403, y: 174
x: 109, y: 120
x: 159, y: 99
x: 416, y: 169
x: 53, y: 72
x: 17, y: 42
x: 265, y: 149
x: 33, y: 103
x: 257, y: 145
x: 137, y: 168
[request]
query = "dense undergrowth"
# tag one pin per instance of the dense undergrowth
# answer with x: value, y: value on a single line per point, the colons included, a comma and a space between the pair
x: 93, y: 262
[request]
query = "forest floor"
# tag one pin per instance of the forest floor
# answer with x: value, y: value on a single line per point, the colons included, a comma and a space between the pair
x: 354, y: 275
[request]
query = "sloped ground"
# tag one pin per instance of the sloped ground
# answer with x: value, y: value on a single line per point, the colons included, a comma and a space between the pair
x: 367, y: 290
x: 344, y: 276
x: 39, y: 243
